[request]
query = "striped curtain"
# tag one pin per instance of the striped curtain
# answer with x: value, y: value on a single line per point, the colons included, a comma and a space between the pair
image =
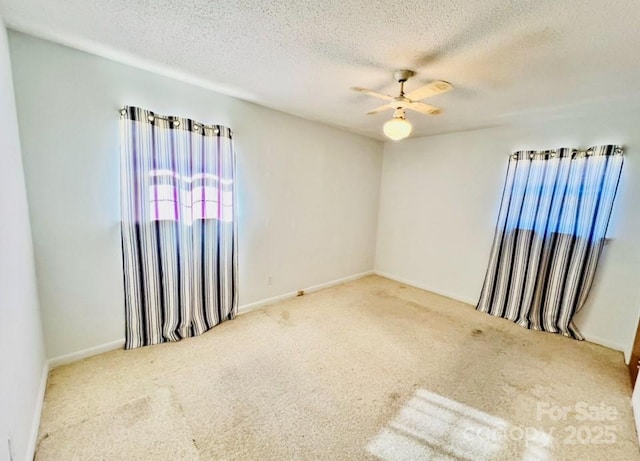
x: 179, y: 234
x: 550, y: 233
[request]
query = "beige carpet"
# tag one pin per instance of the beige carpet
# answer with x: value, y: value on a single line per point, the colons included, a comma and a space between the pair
x: 370, y: 369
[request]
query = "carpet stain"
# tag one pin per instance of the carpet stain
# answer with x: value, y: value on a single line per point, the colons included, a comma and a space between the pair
x: 394, y: 396
x: 135, y: 411
x: 138, y: 429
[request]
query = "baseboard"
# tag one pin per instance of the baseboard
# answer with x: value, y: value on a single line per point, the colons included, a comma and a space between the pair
x: 266, y: 302
x: 37, y: 412
x: 590, y: 338
x: 119, y: 343
x: 605, y: 343
x: 48, y: 366
x: 422, y: 286
x: 83, y: 354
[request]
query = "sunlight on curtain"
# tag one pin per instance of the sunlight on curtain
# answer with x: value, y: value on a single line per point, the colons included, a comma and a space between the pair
x: 551, y: 229
x: 576, y: 187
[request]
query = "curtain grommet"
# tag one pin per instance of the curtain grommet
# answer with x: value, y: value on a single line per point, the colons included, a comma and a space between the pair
x: 216, y: 131
x: 123, y: 112
x: 151, y: 118
x: 176, y: 123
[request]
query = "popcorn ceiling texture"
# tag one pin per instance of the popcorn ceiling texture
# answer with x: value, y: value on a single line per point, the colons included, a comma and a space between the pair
x: 510, y: 61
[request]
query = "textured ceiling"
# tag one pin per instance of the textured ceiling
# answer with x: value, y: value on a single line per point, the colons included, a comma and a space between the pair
x: 510, y: 61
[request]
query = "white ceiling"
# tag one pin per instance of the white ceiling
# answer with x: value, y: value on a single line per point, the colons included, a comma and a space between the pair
x: 510, y: 61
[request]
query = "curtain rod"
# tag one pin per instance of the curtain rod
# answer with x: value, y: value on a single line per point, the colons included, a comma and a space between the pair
x: 151, y: 118
x: 618, y: 150
x: 553, y: 152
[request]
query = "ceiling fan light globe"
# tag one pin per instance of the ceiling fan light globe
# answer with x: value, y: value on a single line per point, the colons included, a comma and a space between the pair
x: 397, y: 128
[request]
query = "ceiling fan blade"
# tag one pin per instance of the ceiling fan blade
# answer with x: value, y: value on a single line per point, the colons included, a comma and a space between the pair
x: 431, y: 89
x: 380, y: 109
x: 375, y: 94
x: 423, y: 108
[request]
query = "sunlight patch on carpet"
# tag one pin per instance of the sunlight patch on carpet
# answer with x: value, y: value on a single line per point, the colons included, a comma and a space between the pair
x: 430, y: 426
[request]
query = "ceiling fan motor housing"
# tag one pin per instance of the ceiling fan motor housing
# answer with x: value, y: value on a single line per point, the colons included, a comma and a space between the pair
x: 402, y: 76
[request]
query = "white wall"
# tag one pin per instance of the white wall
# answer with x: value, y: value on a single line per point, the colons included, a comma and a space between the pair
x: 308, y: 193
x: 22, y: 361
x: 439, y: 202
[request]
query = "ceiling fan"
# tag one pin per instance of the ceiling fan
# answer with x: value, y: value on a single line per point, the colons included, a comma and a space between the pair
x: 399, y: 127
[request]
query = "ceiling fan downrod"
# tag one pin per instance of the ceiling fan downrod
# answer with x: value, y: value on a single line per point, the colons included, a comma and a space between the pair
x: 402, y: 76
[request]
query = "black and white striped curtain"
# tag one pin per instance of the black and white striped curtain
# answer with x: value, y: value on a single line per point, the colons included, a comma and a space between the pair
x: 550, y: 233
x: 179, y: 234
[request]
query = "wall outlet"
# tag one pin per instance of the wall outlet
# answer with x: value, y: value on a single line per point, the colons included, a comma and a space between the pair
x: 300, y: 292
